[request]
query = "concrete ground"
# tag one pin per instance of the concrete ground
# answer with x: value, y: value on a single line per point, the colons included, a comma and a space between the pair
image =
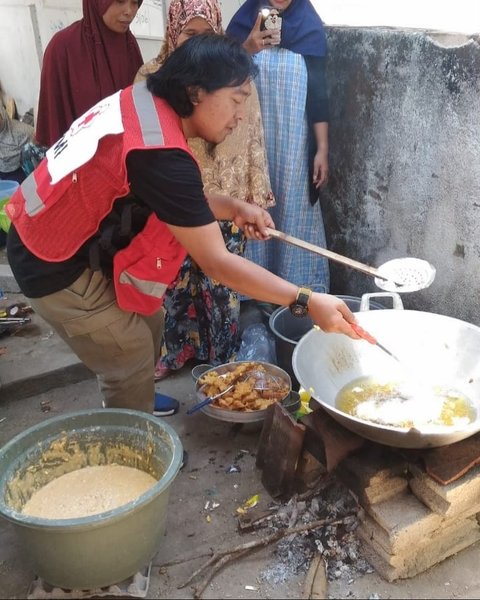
x: 41, y: 378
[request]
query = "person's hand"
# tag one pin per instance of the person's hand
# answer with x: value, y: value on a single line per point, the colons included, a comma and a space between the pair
x: 260, y: 40
x: 332, y: 315
x: 253, y: 220
x: 320, y: 169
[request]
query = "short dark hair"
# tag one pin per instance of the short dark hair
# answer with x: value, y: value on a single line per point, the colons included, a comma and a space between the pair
x: 207, y: 61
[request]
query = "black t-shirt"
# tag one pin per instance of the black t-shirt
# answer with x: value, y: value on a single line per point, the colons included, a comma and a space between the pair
x: 166, y: 182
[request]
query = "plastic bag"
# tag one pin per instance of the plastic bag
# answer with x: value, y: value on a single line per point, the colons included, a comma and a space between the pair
x: 31, y: 156
x: 257, y: 344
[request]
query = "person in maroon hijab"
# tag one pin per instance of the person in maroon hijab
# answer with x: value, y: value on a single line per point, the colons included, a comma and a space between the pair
x: 85, y: 62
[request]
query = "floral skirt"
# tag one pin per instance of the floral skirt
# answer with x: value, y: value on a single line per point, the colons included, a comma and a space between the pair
x: 202, y: 315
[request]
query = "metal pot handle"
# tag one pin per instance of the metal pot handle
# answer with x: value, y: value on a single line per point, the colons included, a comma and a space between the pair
x: 396, y: 300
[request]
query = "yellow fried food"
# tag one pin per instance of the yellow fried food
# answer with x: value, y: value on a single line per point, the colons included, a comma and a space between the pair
x: 253, y: 387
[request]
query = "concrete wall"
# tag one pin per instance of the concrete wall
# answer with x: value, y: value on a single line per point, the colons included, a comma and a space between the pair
x: 405, y: 160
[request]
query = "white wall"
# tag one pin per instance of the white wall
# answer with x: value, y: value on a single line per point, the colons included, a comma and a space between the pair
x: 461, y: 16
x: 18, y: 48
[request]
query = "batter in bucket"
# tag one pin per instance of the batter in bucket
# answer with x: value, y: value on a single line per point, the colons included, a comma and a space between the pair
x: 88, y: 491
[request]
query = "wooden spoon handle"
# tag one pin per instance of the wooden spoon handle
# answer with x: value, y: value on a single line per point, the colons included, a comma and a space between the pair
x: 354, y: 264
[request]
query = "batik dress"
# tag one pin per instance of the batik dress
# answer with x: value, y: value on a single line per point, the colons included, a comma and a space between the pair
x: 202, y: 315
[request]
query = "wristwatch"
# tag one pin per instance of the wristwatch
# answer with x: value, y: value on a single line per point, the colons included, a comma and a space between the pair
x: 299, y: 308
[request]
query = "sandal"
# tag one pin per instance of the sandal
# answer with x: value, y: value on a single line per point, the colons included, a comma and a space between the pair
x: 161, y: 372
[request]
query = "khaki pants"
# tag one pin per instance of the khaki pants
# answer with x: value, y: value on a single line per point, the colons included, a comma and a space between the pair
x: 120, y: 347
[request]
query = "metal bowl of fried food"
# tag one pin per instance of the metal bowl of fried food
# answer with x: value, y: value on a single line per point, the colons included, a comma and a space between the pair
x: 255, y: 386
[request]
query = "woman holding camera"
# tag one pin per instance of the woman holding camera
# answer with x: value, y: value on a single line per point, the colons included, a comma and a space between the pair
x: 289, y: 46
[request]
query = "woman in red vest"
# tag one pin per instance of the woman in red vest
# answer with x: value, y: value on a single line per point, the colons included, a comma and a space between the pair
x: 102, y: 225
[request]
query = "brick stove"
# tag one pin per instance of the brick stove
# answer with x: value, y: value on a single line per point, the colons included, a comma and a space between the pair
x: 411, y: 521
x: 419, y: 506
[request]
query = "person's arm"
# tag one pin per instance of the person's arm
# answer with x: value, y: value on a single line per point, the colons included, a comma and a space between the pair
x: 251, y: 219
x: 318, y: 115
x: 169, y: 181
x: 320, y: 159
x: 329, y: 312
x: 258, y: 40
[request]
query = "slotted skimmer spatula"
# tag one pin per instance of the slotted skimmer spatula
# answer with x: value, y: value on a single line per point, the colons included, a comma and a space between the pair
x: 398, y: 275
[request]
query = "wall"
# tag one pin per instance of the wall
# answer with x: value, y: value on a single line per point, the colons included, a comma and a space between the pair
x: 462, y: 16
x: 20, y: 49
x: 405, y: 160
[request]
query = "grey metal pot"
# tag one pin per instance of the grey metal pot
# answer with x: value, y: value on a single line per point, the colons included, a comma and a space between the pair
x: 103, y: 549
x: 432, y: 348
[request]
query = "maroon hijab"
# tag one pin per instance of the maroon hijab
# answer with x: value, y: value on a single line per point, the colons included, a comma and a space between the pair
x: 82, y: 64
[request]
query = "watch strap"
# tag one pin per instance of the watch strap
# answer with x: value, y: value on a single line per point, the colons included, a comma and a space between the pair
x: 299, y: 308
x: 303, y: 296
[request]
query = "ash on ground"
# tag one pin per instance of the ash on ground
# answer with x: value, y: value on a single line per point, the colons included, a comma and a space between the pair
x: 337, y: 543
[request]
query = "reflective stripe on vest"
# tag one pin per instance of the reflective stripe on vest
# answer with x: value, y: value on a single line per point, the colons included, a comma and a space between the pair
x: 33, y: 203
x: 154, y: 289
x: 151, y: 131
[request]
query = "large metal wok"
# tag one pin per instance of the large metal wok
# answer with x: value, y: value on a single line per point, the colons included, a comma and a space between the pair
x: 431, y: 347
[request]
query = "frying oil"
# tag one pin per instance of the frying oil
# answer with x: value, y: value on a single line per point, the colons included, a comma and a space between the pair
x: 403, y: 405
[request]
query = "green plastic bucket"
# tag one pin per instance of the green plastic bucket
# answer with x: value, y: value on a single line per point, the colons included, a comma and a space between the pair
x: 103, y: 549
x: 7, y: 188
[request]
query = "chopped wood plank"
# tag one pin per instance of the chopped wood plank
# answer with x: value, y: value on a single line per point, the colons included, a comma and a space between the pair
x: 327, y: 440
x: 279, y: 449
x: 449, y: 463
x: 316, y: 583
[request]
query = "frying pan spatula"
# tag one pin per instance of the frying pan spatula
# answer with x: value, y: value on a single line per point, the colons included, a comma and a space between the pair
x: 397, y: 275
x: 414, y: 382
x: 209, y: 400
x: 367, y: 336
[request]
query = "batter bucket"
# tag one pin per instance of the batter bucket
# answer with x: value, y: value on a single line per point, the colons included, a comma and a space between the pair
x: 103, y: 549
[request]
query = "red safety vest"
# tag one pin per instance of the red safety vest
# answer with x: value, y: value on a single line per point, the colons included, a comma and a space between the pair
x: 54, y: 220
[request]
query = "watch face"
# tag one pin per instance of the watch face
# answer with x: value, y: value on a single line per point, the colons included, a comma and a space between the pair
x: 298, y: 310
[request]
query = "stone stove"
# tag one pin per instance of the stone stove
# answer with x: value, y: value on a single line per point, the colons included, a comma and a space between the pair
x: 419, y: 506
x: 411, y: 522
